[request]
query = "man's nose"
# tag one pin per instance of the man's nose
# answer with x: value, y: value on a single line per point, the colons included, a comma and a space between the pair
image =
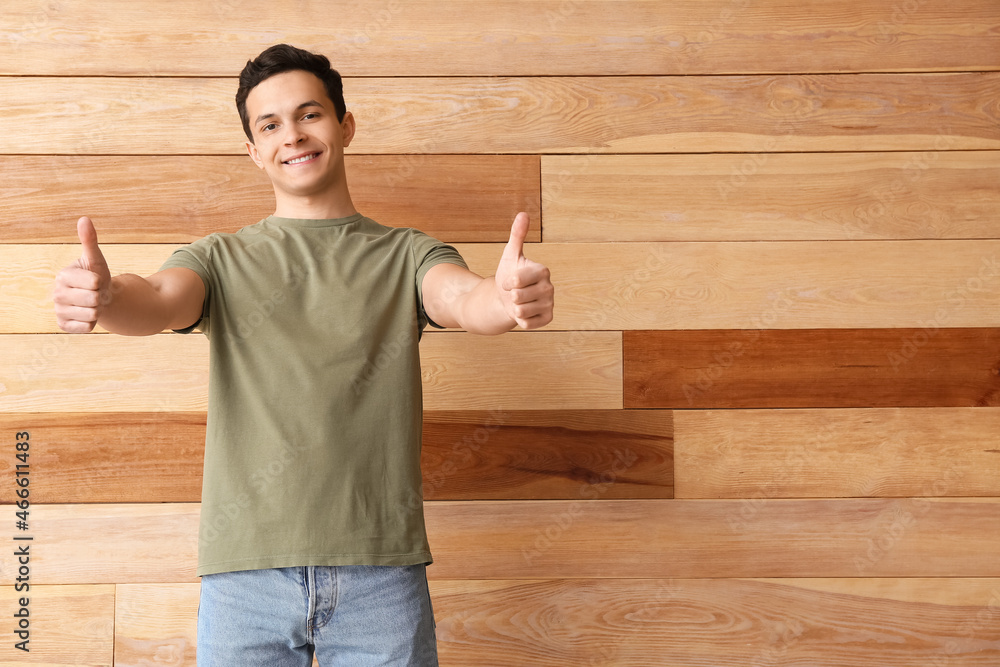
x: 294, y: 134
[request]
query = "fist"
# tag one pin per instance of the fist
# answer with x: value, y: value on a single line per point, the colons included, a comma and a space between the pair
x: 82, y: 289
x: 524, y: 286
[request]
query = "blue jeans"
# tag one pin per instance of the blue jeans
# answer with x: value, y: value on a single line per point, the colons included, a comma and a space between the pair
x: 351, y: 615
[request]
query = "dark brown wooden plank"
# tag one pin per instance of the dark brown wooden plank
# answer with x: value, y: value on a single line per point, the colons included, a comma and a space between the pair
x: 719, y: 622
x: 812, y: 368
x: 178, y: 199
x: 613, y: 114
x: 506, y: 37
x: 547, y: 454
x: 538, y: 539
x: 155, y: 457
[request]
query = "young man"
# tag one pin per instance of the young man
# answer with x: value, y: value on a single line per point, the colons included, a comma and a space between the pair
x: 312, y: 535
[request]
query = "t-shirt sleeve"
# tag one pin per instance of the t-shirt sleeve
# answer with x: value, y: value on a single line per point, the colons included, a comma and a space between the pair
x: 197, y: 257
x: 428, y: 252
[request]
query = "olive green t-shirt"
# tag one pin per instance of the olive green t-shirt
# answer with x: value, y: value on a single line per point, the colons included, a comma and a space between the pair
x: 312, y: 453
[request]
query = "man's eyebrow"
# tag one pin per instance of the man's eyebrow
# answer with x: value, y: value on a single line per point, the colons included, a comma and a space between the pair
x: 310, y: 103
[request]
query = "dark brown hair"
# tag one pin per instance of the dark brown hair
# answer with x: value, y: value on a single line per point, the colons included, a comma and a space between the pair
x: 286, y: 58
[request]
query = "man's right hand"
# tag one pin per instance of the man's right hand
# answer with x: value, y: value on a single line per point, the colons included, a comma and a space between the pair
x: 83, y: 288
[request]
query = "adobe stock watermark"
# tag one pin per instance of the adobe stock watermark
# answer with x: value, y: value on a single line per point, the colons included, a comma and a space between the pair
x: 39, y: 20
x: 901, y: 13
x: 987, y: 618
x: 794, y: 461
x: 783, y: 635
x: 710, y: 33
x: 957, y: 297
x: 464, y: 450
x: 901, y: 517
x: 132, y: 100
x: 552, y: 533
x: 624, y: 291
x: 750, y: 165
x: 911, y: 172
x: 725, y: 358
x: 267, y: 473
x: 378, y: 22
x: 666, y: 592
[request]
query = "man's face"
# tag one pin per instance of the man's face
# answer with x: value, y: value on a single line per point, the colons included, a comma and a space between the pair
x: 297, y: 139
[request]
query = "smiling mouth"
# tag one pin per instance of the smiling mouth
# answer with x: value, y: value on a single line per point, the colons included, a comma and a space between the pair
x: 304, y: 158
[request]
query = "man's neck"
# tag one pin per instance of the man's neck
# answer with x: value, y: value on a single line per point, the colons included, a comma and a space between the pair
x: 315, y: 208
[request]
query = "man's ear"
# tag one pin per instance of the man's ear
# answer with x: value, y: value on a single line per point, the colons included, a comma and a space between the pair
x: 252, y: 152
x: 348, y: 127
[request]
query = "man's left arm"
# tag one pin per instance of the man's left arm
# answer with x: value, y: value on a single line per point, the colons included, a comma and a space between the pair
x: 520, y: 293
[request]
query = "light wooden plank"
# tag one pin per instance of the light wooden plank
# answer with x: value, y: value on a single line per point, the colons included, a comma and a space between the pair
x: 637, y: 621
x: 176, y: 199
x: 156, y: 624
x: 656, y: 286
x: 823, y: 112
x: 506, y: 37
x: 824, y: 368
x: 716, y: 538
x: 107, y: 373
x: 126, y: 457
x: 882, y: 452
x: 863, y: 537
x: 67, y: 625
x: 725, y: 622
x: 771, y: 197
x: 540, y: 371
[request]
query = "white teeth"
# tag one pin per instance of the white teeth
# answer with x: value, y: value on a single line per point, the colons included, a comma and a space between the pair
x: 302, y: 159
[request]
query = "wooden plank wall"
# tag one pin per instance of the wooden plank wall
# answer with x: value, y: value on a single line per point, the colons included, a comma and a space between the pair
x: 764, y: 427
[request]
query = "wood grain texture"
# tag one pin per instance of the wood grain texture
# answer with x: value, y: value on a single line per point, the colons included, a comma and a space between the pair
x: 109, y: 457
x: 507, y: 37
x: 771, y: 197
x: 156, y: 624
x: 684, y: 285
x: 134, y: 457
x: 178, y: 199
x: 886, y: 452
x: 832, y: 368
x: 540, y: 371
x: 548, y: 454
x: 68, y: 625
x: 712, y: 622
x: 106, y: 373
x: 696, y: 622
x: 863, y: 537
x: 823, y: 112
x: 716, y: 538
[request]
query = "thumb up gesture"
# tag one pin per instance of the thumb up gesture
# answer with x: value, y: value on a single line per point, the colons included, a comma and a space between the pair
x: 81, y: 289
x: 524, y: 286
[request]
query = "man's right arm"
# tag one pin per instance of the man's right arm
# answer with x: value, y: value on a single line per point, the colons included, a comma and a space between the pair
x: 85, y: 294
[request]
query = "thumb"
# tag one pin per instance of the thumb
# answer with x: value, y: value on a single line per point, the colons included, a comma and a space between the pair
x: 518, y: 232
x: 92, y: 258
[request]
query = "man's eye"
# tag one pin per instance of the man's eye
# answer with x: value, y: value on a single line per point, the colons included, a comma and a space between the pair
x: 267, y: 127
x: 310, y: 115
